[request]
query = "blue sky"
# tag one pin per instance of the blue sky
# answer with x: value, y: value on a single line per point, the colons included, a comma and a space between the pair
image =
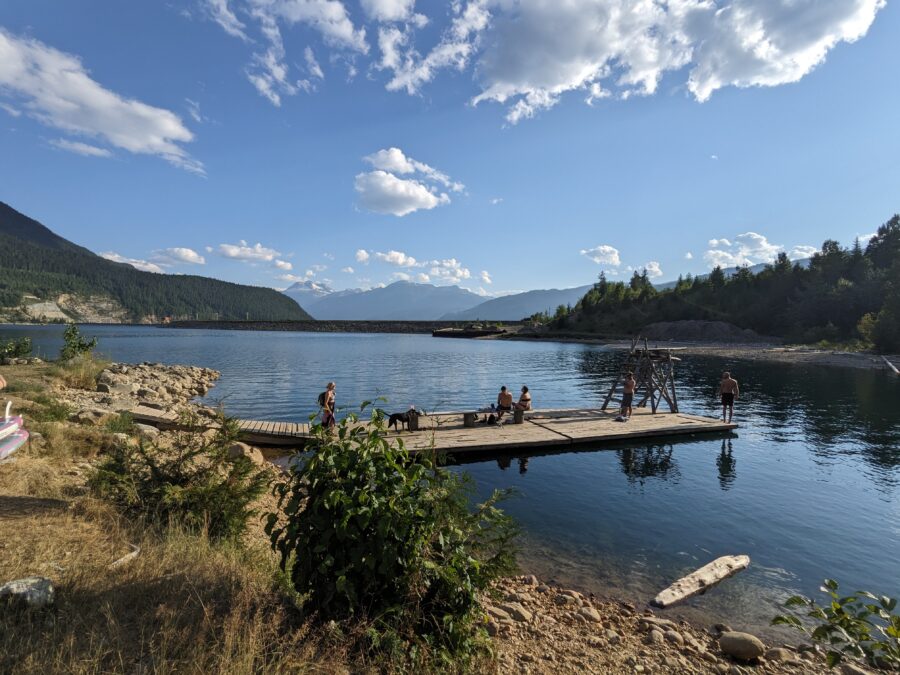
x: 502, y: 145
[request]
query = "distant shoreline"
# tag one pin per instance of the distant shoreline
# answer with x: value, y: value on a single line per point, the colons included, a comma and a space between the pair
x: 329, y: 326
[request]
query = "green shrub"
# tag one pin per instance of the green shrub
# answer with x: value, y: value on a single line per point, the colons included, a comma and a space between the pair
x: 15, y: 349
x: 74, y: 344
x: 192, y: 481
x: 50, y: 410
x: 369, y: 532
x: 123, y: 423
x: 861, y: 625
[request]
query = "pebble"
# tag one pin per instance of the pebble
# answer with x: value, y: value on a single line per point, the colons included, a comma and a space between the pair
x: 674, y: 637
x: 612, y: 637
x: 516, y: 611
x: 590, y: 614
x: 654, y: 637
x: 780, y: 654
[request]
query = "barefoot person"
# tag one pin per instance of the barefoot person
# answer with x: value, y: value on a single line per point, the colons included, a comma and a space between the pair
x: 628, y: 387
x: 524, y: 402
x: 504, y: 402
x: 328, y: 407
x: 729, y: 391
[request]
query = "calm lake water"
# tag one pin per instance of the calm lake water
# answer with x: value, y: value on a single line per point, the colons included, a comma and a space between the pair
x: 809, y: 486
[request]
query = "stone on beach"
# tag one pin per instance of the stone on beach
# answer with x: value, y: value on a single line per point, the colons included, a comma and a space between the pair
x: 32, y: 592
x: 741, y: 646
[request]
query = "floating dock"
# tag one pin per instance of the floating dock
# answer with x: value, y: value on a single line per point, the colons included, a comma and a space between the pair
x: 445, y: 432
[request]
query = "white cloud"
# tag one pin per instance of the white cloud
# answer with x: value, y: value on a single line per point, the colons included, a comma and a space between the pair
x: 388, y: 10
x: 283, y: 265
x: 449, y: 270
x: 268, y: 72
x: 13, y: 112
x: 220, y: 13
x: 802, y: 251
x: 142, y: 265
x: 384, y: 193
x: 749, y: 248
x: 80, y: 148
x: 194, y: 110
x: 653, y: 269
x: 319, y: 268
x: 179, y: 254
x: 328, y: 256
x: 347, y: 270
x: 400, y: 276
x: 423, y: 278
x: 55, y: 89
x: 603, y: 255
x: 528, y: 54
x: 397, y: 258
x: 243, y: 251
x: 328, y: 17
x: 688, y: 256
x: 311, y: 64
x: 715, y: 157
x: 362, y: 256
x: 485, y: 277
x: 496, y: 200
x: 864, y: 238
x: 394, y: 161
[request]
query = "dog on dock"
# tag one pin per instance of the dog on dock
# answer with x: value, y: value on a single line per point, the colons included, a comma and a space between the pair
x: 403, y: 419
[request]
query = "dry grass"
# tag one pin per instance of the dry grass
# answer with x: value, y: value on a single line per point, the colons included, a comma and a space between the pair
x: 81, y: 373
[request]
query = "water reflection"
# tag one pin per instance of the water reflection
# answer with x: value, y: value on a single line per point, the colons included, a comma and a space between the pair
x: 725, y: 463
x: 654, y: 461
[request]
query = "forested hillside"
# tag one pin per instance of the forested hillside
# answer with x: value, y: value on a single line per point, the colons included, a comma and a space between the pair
x: 844, y: 294
x: 36, y: 262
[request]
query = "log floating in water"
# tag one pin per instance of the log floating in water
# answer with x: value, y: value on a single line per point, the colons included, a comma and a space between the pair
x: 891, y: 365
x: 699, y: 581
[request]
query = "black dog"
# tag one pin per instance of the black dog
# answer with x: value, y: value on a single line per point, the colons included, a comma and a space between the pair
x: 403, y: 419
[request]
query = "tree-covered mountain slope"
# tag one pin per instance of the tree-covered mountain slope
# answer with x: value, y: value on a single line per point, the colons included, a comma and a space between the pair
x: 43, y: 275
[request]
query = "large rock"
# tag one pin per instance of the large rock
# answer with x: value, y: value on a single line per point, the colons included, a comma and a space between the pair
x: 31, y: 592
x: 146, y: 430
x: 741, y: 646
x: 516, y: 611
x: 244, y: 450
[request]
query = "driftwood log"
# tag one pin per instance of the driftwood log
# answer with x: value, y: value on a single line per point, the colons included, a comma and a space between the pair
x: 890, y: 365
x: 699, y: 581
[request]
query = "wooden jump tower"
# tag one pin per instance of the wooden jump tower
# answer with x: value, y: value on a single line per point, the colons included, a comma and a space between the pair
x: 654, y: 370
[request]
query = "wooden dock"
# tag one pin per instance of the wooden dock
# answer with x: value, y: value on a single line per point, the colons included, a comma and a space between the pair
x: 444, y: 432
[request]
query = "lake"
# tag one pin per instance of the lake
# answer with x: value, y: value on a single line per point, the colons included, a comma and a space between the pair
x: 809, y: 486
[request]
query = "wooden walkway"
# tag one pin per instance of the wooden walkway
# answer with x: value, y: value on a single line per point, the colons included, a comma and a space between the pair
x: 444, y: 432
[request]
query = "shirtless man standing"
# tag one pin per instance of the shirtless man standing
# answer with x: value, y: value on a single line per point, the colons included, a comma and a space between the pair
x: 729, y: 391
x: 628, y: 387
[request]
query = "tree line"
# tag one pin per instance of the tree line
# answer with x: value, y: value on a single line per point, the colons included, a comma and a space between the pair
x: 844, y: 294
x: 28, y: 268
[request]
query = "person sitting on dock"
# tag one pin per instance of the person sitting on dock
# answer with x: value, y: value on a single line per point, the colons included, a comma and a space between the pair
x: 729, y: 391
x: 328, y: 406
x: 628, y: 387
x: 524, y: 402
x: 504, y: 402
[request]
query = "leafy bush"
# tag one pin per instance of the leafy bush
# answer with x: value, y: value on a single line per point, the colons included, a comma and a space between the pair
x: 74, y: 344
x: 370, y: 532
x: 123, y: 423
x: 861, y: 625
x: 51, y: 410
x: 15, y: 349
x: 194, y: 481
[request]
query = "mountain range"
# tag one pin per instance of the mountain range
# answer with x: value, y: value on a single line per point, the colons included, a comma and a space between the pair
x: 46, y: 277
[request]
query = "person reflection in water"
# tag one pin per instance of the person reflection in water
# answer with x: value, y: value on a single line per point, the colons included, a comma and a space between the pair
x: 725, y: 461
x: 523, y: 465
x: 504, y: 462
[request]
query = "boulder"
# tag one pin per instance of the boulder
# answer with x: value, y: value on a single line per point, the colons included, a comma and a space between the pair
x: 780, y: 654
x: 590, y: 614
x: 516, y: 611
x: 32, y: 592
x: 849, y: 668
x: 146, y: 430
x: 244, y: 450
x: 674, y: 637
x: 741, y: 646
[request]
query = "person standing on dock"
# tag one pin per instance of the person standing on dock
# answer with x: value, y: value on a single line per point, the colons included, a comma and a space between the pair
x: 328, y: 407
x: 729, y: 391
x: 628, y: 387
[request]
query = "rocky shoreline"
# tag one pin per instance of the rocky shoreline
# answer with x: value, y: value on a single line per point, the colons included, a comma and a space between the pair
x: 539, y: 628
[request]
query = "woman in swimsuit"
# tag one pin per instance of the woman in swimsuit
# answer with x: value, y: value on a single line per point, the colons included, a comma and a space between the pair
x: 524, y: 400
